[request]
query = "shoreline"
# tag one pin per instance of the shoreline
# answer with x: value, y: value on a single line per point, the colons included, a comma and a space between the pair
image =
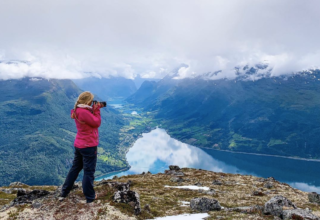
x: 266, y: 155
x: 122, y: 170
x: 241, y: 152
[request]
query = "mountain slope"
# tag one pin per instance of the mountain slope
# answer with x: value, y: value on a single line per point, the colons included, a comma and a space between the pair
x: 37, y: 133
x: 108, y: 89
x: 273, y: 115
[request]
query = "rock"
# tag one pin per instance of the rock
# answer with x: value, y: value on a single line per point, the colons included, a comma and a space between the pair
x: 12, y: 190
x: 198, y: 184
x: 216, y: 182
x: 174, y: 167
x: 275, y: 205
x: 27, y: 197
x: 17, y: 184
x: 174, y: 172
x: 299, y: 214
x: 210, y: 192
x: 128, y: 197
x: 261, y: 179
x: 257, y: 193
x: 271, y: 179
x: 176, y: 179
x: 147, y: 208
x: 314, y: 197
x: 36, y: 204
x: 116, y: 185
x: 204, y: 204
x: 247, y: 209
x: 268, y: 185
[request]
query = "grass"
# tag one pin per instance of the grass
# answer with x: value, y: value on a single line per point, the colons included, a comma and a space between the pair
x: 235, y: 191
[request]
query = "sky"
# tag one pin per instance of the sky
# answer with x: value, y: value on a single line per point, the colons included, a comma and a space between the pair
x: 103, y: 38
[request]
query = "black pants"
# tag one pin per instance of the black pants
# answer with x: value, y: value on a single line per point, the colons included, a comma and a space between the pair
x: 86, y: 159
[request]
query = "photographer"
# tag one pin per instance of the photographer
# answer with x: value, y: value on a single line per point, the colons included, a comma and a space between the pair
x: 87, y: 121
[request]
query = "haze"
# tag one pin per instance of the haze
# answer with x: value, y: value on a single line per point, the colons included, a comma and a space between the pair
x: 76, y: 39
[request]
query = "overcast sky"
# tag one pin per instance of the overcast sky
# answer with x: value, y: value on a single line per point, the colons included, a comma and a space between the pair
x: 76, y: 38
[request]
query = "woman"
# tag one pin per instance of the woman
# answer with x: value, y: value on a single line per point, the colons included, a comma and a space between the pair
x: 88, y: 121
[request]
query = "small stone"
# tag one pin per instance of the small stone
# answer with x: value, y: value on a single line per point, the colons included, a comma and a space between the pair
x: 198, y: 184
x: 314, y: 197
x: 36, y: 205
x: 176, y: 179
x: 268, y: 185
x: 147, y: 208
x: 299, y: 214
x: 204, y: 204
x: 17, y: 184
x: 210, y: 192
x: 258, y: 193
x: 216, y: 182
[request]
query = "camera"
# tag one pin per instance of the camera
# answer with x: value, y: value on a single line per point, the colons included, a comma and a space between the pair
x: 102, y: 104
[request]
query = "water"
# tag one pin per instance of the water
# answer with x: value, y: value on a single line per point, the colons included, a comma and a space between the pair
x: 156, y: 150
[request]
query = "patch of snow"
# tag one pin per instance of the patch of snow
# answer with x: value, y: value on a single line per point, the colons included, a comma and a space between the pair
x: 35, y: 79
x: 199, y: 216
x: 189, y: 187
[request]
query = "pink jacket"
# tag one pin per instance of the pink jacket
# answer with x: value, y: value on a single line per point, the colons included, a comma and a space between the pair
x: 87, y: 123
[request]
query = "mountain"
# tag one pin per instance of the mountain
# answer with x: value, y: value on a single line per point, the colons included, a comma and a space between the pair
x: 37, y: 133
x: 178, y: 193
x: 268, y: 115
x: 138, y: 80
x: 109, y: 89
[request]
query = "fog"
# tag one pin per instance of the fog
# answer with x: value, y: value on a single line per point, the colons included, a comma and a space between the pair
x: 76, y: 38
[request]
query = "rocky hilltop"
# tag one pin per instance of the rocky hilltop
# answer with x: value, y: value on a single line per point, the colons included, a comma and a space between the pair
x: 175, y: 192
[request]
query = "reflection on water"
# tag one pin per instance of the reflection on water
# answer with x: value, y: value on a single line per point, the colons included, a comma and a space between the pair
x: 156, y: 150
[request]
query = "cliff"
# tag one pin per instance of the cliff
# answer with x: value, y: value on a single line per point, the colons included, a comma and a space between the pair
x: 175, y: 192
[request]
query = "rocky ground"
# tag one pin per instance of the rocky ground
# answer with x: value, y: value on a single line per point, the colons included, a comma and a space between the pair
x: 147, y: 196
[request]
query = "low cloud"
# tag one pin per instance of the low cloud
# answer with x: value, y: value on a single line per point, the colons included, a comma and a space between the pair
x: 76, y: 39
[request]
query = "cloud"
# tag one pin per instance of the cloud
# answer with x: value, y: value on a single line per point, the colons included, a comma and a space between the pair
x: 77, y: 38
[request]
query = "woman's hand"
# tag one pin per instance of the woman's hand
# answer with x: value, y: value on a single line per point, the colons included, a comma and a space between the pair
x: 96, y: 105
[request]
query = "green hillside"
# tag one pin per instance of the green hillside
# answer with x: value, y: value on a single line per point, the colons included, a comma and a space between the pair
x: 37, y: 133
x: 273, y: 115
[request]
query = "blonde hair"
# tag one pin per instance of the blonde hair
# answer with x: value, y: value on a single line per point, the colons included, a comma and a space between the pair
x: 84, y: 98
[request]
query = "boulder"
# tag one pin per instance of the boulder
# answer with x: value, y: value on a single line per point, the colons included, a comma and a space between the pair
x: 275, y: 206
x: 174, y: 172
x: 299, y: 214
x: 27, y: 197
x: 314, y: 197
x: 204, y: 204
x: 116, y: 185
x: 129, y: 197
x: 174, y: 167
